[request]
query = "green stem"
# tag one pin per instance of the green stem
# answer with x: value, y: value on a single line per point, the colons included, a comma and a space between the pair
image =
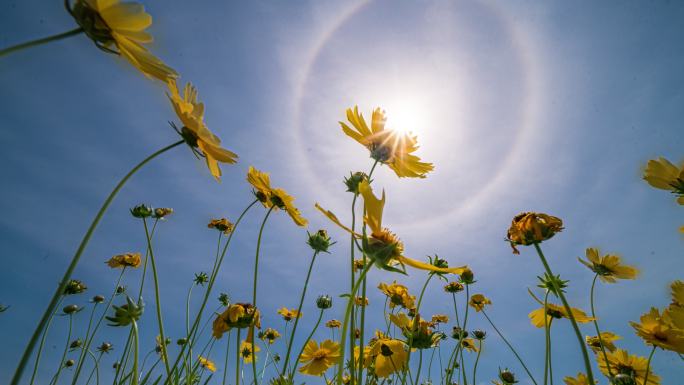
x: 147, y: 255
x: 420, y: 365
x: 596, y: 326
x: 416, y: 321
x: 42, y: 342
x: 81, y: 356
x: 225, y: 365
x: 66, y: 349
x: 510, y: 347
x: 578, y: 334
x: 299, y: 314
x: 299, y: 356
x: 160, y: 321
x: 136, y: 343
x: 187, y: 330
x: 74, y: 261
x: 237, y: 358
x: 352, y: 277
x: 40, y: 41
x: 254, y: 287
x: 648, y: 365
x: 477, y: 359
x: 95, y: 371
x: 345, y: 323
x: 547, y: 342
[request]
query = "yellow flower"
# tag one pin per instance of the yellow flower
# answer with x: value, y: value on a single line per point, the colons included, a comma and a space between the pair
x: 270, y: 335
x: 439, y: 318
x: 581, y: 379
x: 207, y: 364
x: 119, y: 28
x: 289, y: 314
x: 530, y: 228
x: 238, y: 315
x: 333, y: 324
x: 658, y: 330
x: 417, y: 330
x: 662, y: 174
x: 606, y: 337
x: 388, y: 355
x: 361, y: 301
x: 628, y: 364
x: 223, y: 225
x: 275, y: 198
x: 248, y: 356
x: 469, y: 345
x: 383, y: 246
x: 478, y: 302
x: 124, y: 260
x: 318, y: 359
x: 190, y: 111
x: 398, y: 295
x: 392, y: 148
x: 677, y: 288
x: 608, y: 267
x: 555, y: 311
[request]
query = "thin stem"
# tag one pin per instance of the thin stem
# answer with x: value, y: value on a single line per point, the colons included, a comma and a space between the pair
x: 648, y: 365
x: 160, y: 321
x: 40, y: 41
x: 96, y: 369
x: 187, y: 328
x: 85, y: 349
x: 596, y: 326
x: 352, y: 278
x: 225, y: 365
x: 547, y: 342
x: 237, y: 358
x: 416, y: 321
x: 66, y: 349
x: 42, y: 342
x: 299, y: 313
x: 477, y: 359
x: 420, y: 365
x: 299, y: 356
x: 147, y: 255
x: 254, y: 287
x: 74, y: 261
x: 578, y: 334
x: 510, y: 347
x: 136, y: 343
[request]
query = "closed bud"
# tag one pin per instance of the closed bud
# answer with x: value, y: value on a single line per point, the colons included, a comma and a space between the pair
x: 69, y: 363
x: 181, y: 341
x: 70, y: 309
x: 319, y: 241
x: 74, y: 286
x: 324, y: 302
x: 75, y: 344
x: 479, y: 334
x: 353, y: 181
x: 507, y: 377
x: 98, y: 299
x: 467, y: 277
x: 142, y: 211
x: 105, y: 347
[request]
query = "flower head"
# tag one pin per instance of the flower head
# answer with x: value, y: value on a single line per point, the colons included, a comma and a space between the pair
x: 478, y: 302
x: 248, y: 355
x: 537, y: 317
x: 417, y: 331
x: 398, y: 295
x: 658, y: 330
x: 608, y: 267
x: 74, y: 286
x: 275, y: 198
x: 333, y: 324
x: 324, y: 301
x: 662, y: 174
x: 223, y: 225
x: 207, y: 364
x: 162, y: 212
x: 194, y: 131
x: 628, y: 365
x: 319, y: 241
x: 270, y: 335
x: 125, y: 314
x: 124, y: 260
x: 289, y: 314
x: 238, y: 315
x: 318, y: 359
x: 393, y: 148
x: 580, y: 379
x: 606, y: 337
x: 529, y: 228
x: 119, y: 28
x: 388, y: 356
x: 453, y: 287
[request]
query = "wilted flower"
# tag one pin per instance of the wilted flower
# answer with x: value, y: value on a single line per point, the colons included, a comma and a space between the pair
x: 318, y: 359
x: 74, y: 286
x: 206, y: 364
x: 223, y: 225
x: 125, y: 260
x: 439, y: 319
x: 319, y: 241
x: 530, y: 228
x: 142, y: 211
x: 608, y: 267
x: 324, y: 302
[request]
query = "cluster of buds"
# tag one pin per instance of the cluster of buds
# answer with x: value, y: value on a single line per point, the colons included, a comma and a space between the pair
x: 127, y: 313
x: 74, y: 286
x: 319, y: 241
x: 145, y: 211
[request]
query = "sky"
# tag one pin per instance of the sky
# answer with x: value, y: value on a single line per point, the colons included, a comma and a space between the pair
x: 522, y: 106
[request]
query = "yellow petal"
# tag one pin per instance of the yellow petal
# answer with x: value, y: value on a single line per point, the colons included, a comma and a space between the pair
x: 427, y: 266
x: 126, y: 16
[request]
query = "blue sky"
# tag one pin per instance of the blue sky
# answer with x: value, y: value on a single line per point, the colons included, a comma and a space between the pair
x: 544, y: 106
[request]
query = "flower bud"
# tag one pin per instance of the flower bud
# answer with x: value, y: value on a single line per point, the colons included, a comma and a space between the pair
x: 181, y: 341
x: 507, y: 377
x: 458, y: 333
x: 120, y: 289
x: 479, y: 334
x: 98, y: 299
x: 69, y: 363
x: 74, y: 286
x: 115, y: 365
x: 75, y: 344
x: 224, y: 299
x: 353, y: 181
x: 105, y: 347
x: 319, y: 241
x: 70, y: 309
x: 530, y: 228
x: 125, y: 314
x: 453, y: 287
x: 142, y: 211
x: 324, y: 302
x: 467, y: 277
x: 162, y: 212
x: 201, y: 278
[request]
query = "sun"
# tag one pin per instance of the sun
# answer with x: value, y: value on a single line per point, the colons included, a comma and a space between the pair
x: 406, y: 115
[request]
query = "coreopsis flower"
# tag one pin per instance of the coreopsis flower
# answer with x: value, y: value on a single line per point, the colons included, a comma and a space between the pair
x: 248, y: 356
x: 418, y: 332
x: 537, y: 317
x: 201, y: 140
x: 625, y: 364
x: 124, y: 260
x: 238, y: 315
x: 361, y: 301
x: 358, y: 265
x: 469, y: 345
x: 606, y: 337
x: 275, y: 198
x: 289, y: 314
x: 529, y: 228
x: 318, y: 359
x: 74, y: 286
x: 105, y: 347
x: 439, y: 319
x: 677, y: 290
x: 367, y: 359
x: 388, y: 356
x: 324, y: 302
x: 453, y: 287
x: 662, y: 174
x: 658, y: 330
x: 223, y: 225
x: 398, y: 295
x: 382, y: 246
x: 507, y: 377
x: 119, y: 28
x: 393, y: 148
x: 142, y: 211
x: 333, y: 324
x: 269, y: 335
x: 580, y: 379
x: 608, y: 267
x: 162, y: 212
x: 207, y: 364
x: 478, y: 302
